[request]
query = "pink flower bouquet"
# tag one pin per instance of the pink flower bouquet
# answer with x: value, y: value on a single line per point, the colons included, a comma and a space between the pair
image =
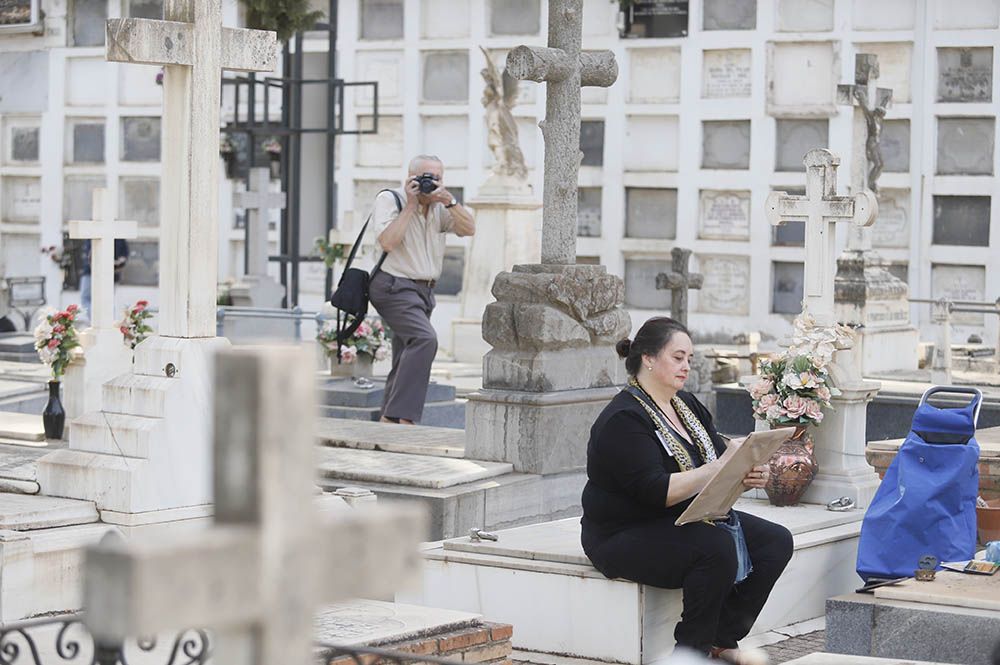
x: 55, y: 339
x: 368, y: 340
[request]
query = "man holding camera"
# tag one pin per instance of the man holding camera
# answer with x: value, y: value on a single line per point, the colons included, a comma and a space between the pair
x: 402, y: 291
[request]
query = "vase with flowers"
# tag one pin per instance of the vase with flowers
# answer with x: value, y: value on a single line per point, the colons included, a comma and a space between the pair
x: 272, y: 147
x: 55, y: 341
x: 133, y: 326
x: 792, y: 390
x: 358, y: 352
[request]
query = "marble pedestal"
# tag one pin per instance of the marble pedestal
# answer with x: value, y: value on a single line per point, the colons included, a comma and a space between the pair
x: 105, y: 356
x: 257, y: 291
x: 148, y: 448
x: 508, y: 232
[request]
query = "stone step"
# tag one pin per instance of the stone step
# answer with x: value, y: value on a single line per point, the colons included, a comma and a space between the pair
x: 436, y: 414
x: 21, y: 426
x: 18, y: 468
x: 136, y: 394
x: 389, y: 437
x: 115, y: 433
x: 344, y: 392
x: 22, y: 512
x: 402, y: 469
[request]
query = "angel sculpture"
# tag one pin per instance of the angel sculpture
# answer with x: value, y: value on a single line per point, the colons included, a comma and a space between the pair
x: 499, y: 96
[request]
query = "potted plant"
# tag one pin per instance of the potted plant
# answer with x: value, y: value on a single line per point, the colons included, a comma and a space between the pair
x: 133, y: 325
x: 55, y: 340
x: 359, y: 351
x: 792, y: 390
x: 272, y: 147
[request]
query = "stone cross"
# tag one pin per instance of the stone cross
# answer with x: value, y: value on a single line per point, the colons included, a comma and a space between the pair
x: 257, y: 200
x: 941, y: 362
x: 821, y: 209
x: 102, y: 231
x: 257, y: 576
x: 193, y: 47
x: 679, y: 281
x: 564, y: 69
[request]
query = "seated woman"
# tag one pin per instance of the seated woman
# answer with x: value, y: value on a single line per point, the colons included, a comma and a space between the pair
x: 651, y: 450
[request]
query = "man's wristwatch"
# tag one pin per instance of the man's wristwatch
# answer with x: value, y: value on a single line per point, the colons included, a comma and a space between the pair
x: 454, y: 202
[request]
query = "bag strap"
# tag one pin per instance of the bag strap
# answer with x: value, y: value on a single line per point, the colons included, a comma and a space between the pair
x: 399, y: 208
x: 364, y: 227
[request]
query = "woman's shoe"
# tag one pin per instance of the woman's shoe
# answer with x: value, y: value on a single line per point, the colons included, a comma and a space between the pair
x: 739, y: 656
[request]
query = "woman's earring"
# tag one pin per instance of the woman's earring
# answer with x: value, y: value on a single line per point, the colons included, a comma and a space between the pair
x: 649, y: 367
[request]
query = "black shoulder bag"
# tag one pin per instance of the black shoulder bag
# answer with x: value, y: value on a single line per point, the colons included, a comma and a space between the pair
x: 351, y: 295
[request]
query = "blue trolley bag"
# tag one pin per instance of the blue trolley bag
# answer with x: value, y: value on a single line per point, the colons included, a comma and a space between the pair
x: 926, y: 504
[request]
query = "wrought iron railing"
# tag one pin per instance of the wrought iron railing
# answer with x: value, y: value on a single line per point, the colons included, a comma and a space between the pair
x: 65, y: 640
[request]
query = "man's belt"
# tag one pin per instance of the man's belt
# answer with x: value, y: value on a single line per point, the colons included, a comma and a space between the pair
x: 429, y: 283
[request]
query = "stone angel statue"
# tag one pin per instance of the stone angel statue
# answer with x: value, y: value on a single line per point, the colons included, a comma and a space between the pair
x: 499, y: 97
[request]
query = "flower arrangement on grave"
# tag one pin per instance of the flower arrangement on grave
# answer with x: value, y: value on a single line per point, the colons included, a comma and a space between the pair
x: 330, y: 252
x: 59, y: 256
x: 272, y: 147
x: 368, y: 340
x: 133, y: 325
x: 226, y: 146
x: 795, y: 387
x: 56, y: 338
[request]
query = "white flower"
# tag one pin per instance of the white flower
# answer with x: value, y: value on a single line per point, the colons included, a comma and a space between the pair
x: 381, y: 353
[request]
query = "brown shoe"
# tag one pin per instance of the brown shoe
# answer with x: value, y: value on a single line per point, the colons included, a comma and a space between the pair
x: 739, y: 656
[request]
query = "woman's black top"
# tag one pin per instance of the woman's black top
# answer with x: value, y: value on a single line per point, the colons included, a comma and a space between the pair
x: 628, y: 469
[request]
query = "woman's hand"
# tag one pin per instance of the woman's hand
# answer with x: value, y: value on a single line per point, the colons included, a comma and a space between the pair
x: 757, y: 478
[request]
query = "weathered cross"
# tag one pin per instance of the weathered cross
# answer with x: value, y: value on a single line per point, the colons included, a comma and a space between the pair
x: 872, y: 101
x: 679, y: 281
x: 193, y: 47
x: 564, y: 69
x: 257, y: 576
x: 821, y: 209
x: 257, y: 200
x: 102, y: 231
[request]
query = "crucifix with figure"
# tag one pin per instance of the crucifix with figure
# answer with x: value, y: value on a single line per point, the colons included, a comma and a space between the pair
x: 678, y: 281
x: 258, y: 575
x: 193, y: 47
x: 102, y: 230
x: 821, y: 209
x: 564, y: 69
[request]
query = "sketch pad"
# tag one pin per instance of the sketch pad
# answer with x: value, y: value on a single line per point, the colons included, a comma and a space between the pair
x: 726, y: 486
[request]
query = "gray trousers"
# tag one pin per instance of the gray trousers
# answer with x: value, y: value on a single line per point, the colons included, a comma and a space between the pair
x: 405, y: 306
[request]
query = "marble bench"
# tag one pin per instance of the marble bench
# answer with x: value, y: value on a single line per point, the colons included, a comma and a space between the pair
x: 538, y: 579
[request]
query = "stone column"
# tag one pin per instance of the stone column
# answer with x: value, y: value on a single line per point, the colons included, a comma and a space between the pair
x: 508, y: 233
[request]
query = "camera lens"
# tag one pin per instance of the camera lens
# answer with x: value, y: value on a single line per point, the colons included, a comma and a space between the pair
x: 427, y: 183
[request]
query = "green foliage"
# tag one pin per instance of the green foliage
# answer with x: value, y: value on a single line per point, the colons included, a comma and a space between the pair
x: 286, y: 17
x: 331, y: 253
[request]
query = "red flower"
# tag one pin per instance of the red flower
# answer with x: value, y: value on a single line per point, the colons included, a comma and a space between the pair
x: 142, y: 304
x: 53, y: 343
x: 72, y: 309
x: 58, y: 328
x: 123, y: 330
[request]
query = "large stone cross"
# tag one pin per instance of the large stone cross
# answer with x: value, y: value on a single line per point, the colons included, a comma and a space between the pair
x: 257, y: 201
x: 679, y: 281
x: 102, y: 230
x: 193, y: 47
x: 564, y: 69
x: 257, y: 576
x: 821, y: 209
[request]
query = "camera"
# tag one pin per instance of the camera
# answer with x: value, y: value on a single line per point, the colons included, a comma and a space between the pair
x: 428, y: 182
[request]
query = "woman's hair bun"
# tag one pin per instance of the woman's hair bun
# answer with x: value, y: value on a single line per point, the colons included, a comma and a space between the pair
x: 623, y: 346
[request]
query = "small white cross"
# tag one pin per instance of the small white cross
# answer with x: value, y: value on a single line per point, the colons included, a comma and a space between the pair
x: 821, y: 209
x: 257, y: 201
x: 102, y: 231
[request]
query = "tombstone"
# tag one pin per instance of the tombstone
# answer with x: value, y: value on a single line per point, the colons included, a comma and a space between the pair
x: 794, y: 138
x: 165, y: 394
x: 554, y: 324
x: 729, y: 15
x: 589, y: 212
x: 961, y: 220
x: 105, y: 355
x: 726, y: 73
x: 445, y: 77
x: 257, y: 288
x: 965, y: 146
x: 965, y: 74
x: 800, y: 79
x: 724, y: 215
x: 27, y: 72
x: 24, y: 142
x: 725, y: 144
x: 868, y: 297
x: 805, y: 15
x: 650, y: 212
x: 507, y: 217
x: 678, y: 281
x: 258, y: 575
x: 381, y: 19
x: 840, y: 438
x: 87, y: 143
x: 651, y: 143
x: 726, y: 286
x: 884, y: 15
x: 22, y: 199
x: 654, y: 76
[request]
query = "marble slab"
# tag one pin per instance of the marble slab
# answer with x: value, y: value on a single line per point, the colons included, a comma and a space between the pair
x: 21, y: 426
x: 401, y: 469
x: 843, y: 659
x: 18, y: 462
x: 389, y: 437
x: 948, y: 588
x: 373, y: 622
x: 22, y: 512
x: 17, y: 388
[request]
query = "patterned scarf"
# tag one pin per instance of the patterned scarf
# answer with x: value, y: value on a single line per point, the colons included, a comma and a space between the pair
x: 700, y: 436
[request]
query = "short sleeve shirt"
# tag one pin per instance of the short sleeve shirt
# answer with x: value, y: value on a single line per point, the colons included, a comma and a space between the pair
x: 421, y: 253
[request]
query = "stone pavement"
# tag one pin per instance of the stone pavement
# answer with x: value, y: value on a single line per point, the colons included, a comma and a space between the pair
x: 796, y: 647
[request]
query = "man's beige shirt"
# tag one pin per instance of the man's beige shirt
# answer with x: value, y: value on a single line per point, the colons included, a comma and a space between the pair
x: 421, y: 253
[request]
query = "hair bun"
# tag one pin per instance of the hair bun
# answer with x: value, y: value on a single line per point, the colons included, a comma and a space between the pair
x: 623, y: 347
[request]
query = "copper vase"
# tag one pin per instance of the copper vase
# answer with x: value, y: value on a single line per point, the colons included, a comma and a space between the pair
x: 792, y: 469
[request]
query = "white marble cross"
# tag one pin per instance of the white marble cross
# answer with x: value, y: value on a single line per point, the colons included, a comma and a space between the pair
x: 257, y: 201
x: 193, y: 47
x: 821, y: 209
x: 102, y: 231
x: 257, y: 576
x: 563, y: 68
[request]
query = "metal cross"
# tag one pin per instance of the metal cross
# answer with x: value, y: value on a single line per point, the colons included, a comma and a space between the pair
x: 821, y: 209
x: 563, y: 68
x: 679, y: 281
x: 193, y: 47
